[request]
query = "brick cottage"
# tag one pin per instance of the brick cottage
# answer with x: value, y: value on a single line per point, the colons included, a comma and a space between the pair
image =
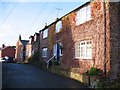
x: 86, y: 37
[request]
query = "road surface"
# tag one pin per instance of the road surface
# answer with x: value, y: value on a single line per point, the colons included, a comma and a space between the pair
x: 29, y: 76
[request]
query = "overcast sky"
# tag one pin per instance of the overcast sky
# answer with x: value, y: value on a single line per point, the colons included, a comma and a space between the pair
x: 27, y: 17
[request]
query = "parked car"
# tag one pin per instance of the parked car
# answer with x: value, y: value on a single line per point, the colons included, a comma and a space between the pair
x: 2, y: 59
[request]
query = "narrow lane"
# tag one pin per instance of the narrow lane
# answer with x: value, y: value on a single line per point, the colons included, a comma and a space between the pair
x: 28, y: 76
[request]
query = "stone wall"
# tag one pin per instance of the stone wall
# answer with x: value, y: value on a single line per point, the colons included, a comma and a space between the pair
x: 119, y: 42
x: 114, y: 39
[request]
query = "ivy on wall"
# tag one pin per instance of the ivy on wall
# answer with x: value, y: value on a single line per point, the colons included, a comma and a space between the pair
x: 51, y: 37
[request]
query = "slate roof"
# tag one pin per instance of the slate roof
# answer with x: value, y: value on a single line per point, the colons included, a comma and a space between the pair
x: 24, y: 42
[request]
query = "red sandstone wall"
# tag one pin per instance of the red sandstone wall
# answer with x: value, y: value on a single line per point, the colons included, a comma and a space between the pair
x: 9, y: 51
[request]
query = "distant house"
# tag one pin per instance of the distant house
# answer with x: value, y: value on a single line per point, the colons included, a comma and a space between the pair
x: 0, y: 52
x: 28, y: 50
x: 35, y: 44
x: 21, y: 49
x: 7, y: 51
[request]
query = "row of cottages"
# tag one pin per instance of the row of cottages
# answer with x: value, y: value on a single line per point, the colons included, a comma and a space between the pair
x: 26, y: 48
x: 86, y: 37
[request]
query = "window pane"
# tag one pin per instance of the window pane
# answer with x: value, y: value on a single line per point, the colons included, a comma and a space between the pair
x: 44, y: 52
x: 88, y: 54
x: 88, y: 13
x: 89, y: 50
x: 58, y: 26
x: 45, y: 33
x: 55, y: 49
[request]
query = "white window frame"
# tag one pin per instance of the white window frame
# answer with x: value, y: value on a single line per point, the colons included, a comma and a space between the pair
x: 21, y: 55
x: 58, y: 26
x: 35, y: 37
x: 83, y: 15
x: 44, y: 52
x: 83, y: 49
x: 27, y: 53
x: 45, y: 33
x: 60, y: 49
x: 55, y: 49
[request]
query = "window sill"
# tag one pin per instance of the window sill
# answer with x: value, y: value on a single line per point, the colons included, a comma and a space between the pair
x: 84, y: 22
x: 44, y: 56
x: 45, y: 38
x: 81, y: 59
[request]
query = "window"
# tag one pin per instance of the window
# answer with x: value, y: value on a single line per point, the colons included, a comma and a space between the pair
x: 83, y: 50
x: 58, y: 26
x: 44, y: 52
x: 33, y: 52
x: 27, y: 53
x: 83, y: 15
x: 61, y: 51
x: 45, y: 33
x: 55, y: 49
x: 21, y: 55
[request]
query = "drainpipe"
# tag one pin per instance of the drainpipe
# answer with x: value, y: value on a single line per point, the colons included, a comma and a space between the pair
x: 104, y: 17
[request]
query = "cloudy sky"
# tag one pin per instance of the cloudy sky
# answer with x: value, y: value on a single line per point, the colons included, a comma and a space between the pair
x: 27, y: 17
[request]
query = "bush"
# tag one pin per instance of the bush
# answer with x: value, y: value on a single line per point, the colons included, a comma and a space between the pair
x: 34, y: 57
x: 93, y: 71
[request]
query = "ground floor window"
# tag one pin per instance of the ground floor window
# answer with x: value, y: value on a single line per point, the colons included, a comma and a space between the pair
x: 83, y: 49
x: 44, y: 52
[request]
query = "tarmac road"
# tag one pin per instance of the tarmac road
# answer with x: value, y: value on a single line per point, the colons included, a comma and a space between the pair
x: 29, y: 76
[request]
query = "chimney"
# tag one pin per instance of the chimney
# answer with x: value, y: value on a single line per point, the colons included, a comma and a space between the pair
x: 31, y: 39
x: 3, y: 45
x: 19, y: 37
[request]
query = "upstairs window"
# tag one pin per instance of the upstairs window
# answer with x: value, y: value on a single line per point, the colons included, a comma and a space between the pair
x: 44, y: 52
x: 35, y: 37
x: 83, y: 15
x: 45, y: 33
x: 58, y: 26
x: 83, y: 50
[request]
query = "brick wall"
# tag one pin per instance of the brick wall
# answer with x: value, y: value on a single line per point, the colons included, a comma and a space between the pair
x: 35, y: 43
x: 8, y: 51
x: 43, y: 44
x: 29, y: 50
x: 119, y: 42
x: 18, y: 51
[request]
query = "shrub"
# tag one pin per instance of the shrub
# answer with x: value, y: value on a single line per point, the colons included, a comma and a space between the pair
x: 34, y: 57
x: 93, y: 71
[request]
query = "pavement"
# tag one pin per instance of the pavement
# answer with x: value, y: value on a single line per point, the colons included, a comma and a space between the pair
x: 28, y: 76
